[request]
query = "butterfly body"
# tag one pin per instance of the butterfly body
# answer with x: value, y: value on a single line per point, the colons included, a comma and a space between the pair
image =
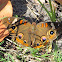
x: 27, y: 34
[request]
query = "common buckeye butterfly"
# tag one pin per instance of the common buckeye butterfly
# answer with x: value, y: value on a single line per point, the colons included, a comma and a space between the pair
x: 33, y: 35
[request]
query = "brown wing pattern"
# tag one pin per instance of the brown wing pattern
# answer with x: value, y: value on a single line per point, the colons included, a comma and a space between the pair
x: 34, y: 35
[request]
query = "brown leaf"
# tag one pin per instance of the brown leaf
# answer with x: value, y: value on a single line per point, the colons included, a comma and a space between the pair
x: 5, y: 8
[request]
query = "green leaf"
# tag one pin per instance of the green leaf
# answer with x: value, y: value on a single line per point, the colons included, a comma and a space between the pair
x: 1, y: 42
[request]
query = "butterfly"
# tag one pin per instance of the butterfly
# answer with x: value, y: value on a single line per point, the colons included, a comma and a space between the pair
x: 31, y: 34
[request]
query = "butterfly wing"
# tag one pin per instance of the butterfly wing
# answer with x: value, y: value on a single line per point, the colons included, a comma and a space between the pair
x: 42, y: 34
x: 19, y: 30
x: 23, y: 35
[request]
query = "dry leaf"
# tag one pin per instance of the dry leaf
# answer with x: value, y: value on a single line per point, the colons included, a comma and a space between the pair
x: 5, y: 8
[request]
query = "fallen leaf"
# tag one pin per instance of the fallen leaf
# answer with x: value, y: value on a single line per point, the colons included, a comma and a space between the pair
x: 6, y: 8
